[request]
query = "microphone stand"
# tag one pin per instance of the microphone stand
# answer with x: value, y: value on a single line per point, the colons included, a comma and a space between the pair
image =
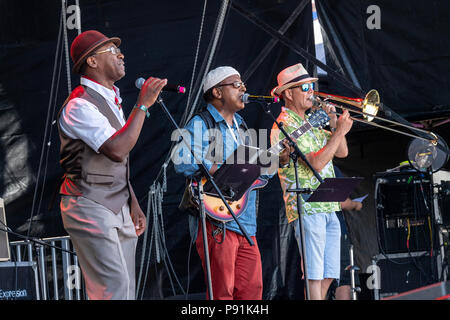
x: 209, y: 177
x: 295, y: 156
x: 35, y: 241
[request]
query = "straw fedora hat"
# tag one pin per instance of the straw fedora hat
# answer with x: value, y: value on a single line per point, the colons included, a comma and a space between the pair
x: 85, y: 43
x: 291, y: 76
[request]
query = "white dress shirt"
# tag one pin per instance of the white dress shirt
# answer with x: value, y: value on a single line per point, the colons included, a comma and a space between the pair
x: 81, y: 119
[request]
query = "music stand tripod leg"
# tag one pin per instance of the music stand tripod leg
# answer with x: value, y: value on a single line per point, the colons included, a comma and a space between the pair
x: 301, y: 228
x: 354, y: 289
x: 205, y: 239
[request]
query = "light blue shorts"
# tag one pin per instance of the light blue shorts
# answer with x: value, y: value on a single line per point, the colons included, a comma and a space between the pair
x: 323, y: 245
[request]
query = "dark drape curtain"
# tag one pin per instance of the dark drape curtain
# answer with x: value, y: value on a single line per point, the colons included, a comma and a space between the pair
x: 406, y: 59
x: 158, y: 39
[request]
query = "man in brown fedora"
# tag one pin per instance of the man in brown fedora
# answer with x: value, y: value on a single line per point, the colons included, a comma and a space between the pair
x: 99, y: 209
x: 322, y: 228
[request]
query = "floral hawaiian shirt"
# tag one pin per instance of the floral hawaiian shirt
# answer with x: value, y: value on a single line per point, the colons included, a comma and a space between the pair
x: 311, y: 141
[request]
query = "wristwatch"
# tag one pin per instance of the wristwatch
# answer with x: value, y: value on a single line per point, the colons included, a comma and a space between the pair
x: 143, y: 108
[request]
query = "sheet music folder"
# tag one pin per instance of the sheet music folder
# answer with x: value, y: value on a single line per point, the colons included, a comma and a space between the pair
x: 334, y: 189
x: 237, y: 174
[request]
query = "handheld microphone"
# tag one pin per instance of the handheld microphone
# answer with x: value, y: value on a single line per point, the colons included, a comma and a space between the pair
x: 168, y: 87
x: 246, y: 98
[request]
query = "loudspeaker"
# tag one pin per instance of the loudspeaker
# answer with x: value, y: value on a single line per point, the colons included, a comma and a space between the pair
x: 18, y: 281
x: 403, y: 272
x: 404, y: 205
x: 4, y: 243
x: 366, y: 293
x: 444, y: 208
x: 441, y: 180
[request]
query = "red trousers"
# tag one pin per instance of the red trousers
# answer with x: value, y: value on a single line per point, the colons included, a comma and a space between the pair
x: 236, y: 271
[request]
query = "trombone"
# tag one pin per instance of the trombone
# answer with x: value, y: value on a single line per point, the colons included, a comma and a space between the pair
x: 369, y: 106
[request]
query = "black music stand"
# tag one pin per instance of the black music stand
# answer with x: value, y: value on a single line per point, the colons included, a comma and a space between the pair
x: 233, y: 180
x: 237, y: 174
x: 333, y: 190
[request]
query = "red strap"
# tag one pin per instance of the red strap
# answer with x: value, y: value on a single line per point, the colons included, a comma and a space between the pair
x: 117, y: 102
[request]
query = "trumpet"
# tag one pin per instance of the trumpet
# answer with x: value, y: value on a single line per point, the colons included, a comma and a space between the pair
x: 369, y: 109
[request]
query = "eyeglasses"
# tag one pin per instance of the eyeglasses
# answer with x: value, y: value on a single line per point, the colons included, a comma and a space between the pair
x: 113, y: 50
x: 236, y: 84
x: 305, y: 87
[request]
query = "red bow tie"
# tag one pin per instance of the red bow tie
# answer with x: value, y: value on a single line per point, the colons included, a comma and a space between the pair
x: 117, y: 102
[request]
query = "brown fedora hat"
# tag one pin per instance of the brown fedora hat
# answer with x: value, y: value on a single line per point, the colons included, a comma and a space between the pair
x: 85, y: 43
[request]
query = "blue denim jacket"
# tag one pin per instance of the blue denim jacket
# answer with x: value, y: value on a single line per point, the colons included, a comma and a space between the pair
x: 199, y: 144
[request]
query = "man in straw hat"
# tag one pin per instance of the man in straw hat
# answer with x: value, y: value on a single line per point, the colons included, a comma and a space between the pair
x: 322, y: 229
x: 236, y: 271
x: 99, y: 209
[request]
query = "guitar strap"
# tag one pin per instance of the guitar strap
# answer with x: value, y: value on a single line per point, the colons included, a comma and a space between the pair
x: 208, y: 119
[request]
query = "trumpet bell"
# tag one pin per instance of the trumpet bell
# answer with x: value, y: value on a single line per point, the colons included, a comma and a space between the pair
x: 370, y: 104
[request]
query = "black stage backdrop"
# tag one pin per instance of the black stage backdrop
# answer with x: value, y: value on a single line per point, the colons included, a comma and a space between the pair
x: 407, y: 60
x: 401, y: 49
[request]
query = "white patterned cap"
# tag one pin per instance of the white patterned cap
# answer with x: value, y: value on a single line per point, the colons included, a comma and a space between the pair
x: 216, y: 75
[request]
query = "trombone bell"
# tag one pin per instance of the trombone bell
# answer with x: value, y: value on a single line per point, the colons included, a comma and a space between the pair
x: 370, y: 104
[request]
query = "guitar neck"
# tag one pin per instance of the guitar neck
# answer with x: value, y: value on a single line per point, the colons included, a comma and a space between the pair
x: 297, y: 133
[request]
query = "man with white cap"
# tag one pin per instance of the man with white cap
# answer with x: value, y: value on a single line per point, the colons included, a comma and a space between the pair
x: 236, y: 271
x: 322, y: 229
